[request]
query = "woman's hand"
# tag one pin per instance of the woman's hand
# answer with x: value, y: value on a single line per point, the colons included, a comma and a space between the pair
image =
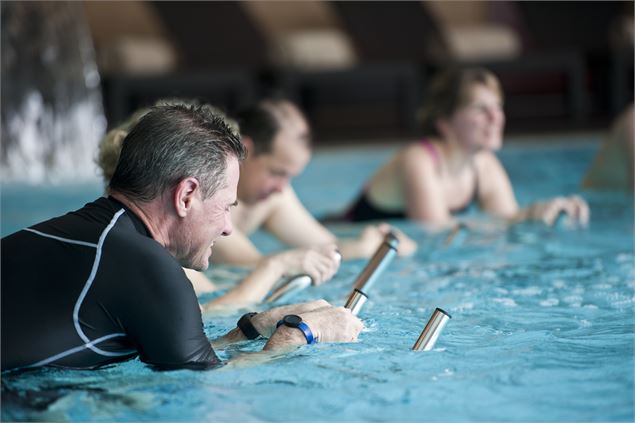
x: 575, y: 208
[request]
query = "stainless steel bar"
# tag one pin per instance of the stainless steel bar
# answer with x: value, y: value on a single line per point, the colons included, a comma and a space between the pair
x: 432, y: 330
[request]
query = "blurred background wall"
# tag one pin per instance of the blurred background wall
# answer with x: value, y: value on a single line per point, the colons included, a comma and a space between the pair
x: 358, y: 69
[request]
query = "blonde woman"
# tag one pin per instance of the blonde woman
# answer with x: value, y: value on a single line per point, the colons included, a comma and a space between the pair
x: 434, y: 179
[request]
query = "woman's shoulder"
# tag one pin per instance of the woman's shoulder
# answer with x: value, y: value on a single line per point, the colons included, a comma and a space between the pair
x: 419, y: 157
x: 485, y: 158
x: 422, y: 151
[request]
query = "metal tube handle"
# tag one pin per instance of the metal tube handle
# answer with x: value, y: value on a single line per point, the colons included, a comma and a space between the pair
x: 378, y: 263
x: 431, y: 332
x: 289, y: 287
x: 356, y: 301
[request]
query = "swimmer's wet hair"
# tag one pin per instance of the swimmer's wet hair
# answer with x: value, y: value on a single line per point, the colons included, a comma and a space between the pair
x: 451, y: 90
x: 259, y: 124
x: 262, y: 121
x: 172, y: 142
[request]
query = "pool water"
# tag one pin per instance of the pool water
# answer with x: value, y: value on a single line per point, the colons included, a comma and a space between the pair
x: 542, y: 322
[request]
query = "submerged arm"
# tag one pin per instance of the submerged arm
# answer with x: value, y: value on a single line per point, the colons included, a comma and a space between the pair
x: 497, y: 197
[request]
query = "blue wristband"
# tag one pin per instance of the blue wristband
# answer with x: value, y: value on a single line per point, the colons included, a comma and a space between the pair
x: 294, y: 321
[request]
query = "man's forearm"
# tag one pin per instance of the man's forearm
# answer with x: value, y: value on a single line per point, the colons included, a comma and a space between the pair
x: 285, y: 339
x: 253, y: 288
x: 352, y: 249
x: 232, y: 337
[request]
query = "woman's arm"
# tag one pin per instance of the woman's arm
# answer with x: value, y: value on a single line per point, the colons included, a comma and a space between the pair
x: 495, y: 193
x: 496, y: 196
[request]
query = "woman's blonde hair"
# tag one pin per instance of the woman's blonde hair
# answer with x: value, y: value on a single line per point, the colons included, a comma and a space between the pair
x: 452, y: 90
x: 110, y: 145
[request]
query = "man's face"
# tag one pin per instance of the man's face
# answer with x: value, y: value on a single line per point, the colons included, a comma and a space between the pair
x: 208, y: 220
x: 269, y: 173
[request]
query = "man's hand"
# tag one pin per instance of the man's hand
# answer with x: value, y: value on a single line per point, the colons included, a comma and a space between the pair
x: 320, y: 263
x: 372, y: 236
x: 574, y: 207
x: 328, y: 324
x: 265, y: 322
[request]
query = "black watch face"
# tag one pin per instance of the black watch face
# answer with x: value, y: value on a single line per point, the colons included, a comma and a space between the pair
x: 292, y: 320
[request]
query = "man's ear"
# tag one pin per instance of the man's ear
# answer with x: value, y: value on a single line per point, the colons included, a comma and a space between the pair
x: 248, y: 142
x: 185, y: 193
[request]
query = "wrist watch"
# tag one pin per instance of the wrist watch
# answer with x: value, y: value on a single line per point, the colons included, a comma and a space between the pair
x: 295, y: 321
x: 246, y: 327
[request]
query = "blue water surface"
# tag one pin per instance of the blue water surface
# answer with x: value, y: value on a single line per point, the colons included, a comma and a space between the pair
x: 541, y: 330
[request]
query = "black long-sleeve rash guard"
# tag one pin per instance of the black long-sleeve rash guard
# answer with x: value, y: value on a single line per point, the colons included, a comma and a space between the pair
x: 91, y: 288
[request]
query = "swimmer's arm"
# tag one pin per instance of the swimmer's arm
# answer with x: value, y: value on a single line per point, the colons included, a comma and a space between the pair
x: 328, y: 324
x: 369, y: 240
x: 236, y: 249
x: 253, y: 288
x: 292, y: 223
x: 265, y: 323
x: 283, y: 341
x: 200, y: 282
x: 497, y: 197
x: 495, y: 192
x: 423, y: 192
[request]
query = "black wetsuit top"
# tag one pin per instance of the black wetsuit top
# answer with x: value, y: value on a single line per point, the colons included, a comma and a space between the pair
x: 91, y: 288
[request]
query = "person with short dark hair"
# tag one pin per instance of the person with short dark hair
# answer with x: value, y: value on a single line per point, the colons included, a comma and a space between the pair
x: 278, y: 139
x: 109, y: 285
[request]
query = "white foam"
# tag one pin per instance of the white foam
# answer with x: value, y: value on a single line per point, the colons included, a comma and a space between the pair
x: 550, y: 302
x: 558, y: 283
x: 508, y: 302
x: 528, y: 292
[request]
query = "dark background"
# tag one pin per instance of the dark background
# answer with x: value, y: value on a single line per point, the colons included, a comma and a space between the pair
x: 572, y: 68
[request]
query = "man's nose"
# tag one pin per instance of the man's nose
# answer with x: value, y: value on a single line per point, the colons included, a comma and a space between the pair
x: 229, y: 227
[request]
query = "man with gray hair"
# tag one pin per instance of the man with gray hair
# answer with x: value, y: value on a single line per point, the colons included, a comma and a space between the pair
x: 109, y: 286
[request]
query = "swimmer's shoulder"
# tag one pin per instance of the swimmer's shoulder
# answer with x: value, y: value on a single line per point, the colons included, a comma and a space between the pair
x: 484, y: 159
x: 140, y: 266
x: 132, y: 247
x: 415, y: 157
